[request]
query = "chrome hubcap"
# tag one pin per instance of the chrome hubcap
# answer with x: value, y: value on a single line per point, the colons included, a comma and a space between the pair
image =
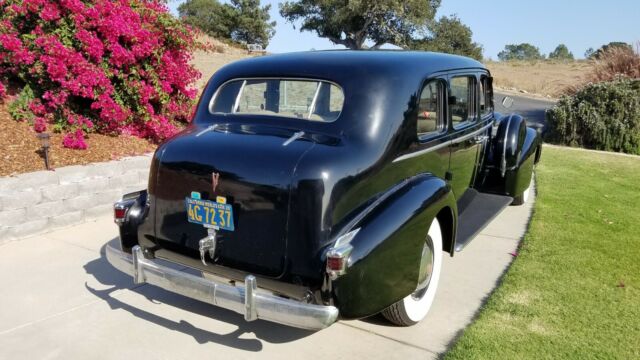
x: 426, y: 269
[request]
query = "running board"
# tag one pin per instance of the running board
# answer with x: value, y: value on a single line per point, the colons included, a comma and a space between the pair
x: 477, y: 214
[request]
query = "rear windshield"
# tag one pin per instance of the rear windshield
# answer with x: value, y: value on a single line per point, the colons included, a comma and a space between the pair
x: 312, y: 100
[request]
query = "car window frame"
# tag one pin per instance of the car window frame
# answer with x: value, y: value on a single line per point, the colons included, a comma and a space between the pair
x: 488, y: 92
x: 473, y: 107
x: 442, y: 118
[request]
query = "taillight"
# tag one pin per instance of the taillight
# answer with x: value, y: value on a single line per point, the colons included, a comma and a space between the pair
x: 120, y: 213
x: 338, y: 255
x: 335, y: 263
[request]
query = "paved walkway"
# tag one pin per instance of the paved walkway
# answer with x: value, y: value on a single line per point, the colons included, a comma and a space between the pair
x: 60, y: 299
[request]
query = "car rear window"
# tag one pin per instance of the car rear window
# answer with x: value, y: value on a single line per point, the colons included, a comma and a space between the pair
x: 312, y: 100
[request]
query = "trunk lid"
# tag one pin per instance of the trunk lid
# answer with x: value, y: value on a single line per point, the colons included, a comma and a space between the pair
x: 255, y: 171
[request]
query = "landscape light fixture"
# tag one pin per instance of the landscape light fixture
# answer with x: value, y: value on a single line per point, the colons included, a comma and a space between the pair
x: 44, y: 141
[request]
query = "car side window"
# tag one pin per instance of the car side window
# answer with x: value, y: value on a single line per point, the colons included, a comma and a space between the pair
x: 461, y: 100
x: 486, y: 106
x: 430, y: 114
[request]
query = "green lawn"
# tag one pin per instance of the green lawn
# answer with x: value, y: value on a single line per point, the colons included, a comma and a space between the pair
x: 574, y: 289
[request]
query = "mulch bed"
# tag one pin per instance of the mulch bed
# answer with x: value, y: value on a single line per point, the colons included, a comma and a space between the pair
x: 20, y: 150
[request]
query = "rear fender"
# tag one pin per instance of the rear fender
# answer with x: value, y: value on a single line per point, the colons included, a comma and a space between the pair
x: 136, y: 203
x: 514, y: 149
x: 384, y: 262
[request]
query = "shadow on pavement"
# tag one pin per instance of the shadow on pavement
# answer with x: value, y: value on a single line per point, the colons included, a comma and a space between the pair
x: 104, y: 273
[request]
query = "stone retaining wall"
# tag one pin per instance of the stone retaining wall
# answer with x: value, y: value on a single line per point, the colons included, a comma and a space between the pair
x: 39, y: 201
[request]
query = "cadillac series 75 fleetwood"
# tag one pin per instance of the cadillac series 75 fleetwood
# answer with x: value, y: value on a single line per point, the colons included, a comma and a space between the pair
x: 327, y: 185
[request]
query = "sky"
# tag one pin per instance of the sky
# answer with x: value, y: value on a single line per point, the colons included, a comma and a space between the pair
x: 495, y: 23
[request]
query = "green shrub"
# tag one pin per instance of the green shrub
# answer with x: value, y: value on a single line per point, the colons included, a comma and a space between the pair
x: 602, y: 116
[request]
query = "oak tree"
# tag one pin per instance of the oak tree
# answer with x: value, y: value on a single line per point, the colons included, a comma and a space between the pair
x: 354, y: 23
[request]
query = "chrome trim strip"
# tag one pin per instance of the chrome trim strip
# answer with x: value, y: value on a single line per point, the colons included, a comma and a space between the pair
x: 237, y: 102
x: 266, y: 306
x: 470, y: 135
x: 207, y: 129
x: 442, y: 145
x: 423, y: 151
x: 297, y: 135
x: 313, y: 102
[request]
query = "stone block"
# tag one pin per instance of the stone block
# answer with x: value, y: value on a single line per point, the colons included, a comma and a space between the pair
x: 66, y: 219
x: 143, y: 176
x: 108, y: 197
x: 20, y: 199
x: 93, y: 185
x: 28, y: 228
x: 98, y: 211
x: 74, y: 173
x: 4, y: 234
x: 106, y: 169
x: 44, y: 210
x: 60, y: 192
x: 127, y: 179
x: 80, y: 203
x: 12, y: 217
x: 136, y: 163
x: 32, y: 180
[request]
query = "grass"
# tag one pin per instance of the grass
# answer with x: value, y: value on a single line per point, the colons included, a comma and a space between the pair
x: 574, y: 289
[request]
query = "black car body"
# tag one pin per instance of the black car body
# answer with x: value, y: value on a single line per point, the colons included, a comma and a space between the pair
x: 331, y: 204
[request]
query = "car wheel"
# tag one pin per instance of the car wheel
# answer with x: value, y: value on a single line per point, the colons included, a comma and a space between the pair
x: 414, y: 307
x: 521, y: 199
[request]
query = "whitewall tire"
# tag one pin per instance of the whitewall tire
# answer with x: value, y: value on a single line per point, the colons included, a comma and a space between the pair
x: 413, y: 308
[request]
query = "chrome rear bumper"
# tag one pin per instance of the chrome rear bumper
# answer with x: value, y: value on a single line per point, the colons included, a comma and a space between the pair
x: 241, y: 299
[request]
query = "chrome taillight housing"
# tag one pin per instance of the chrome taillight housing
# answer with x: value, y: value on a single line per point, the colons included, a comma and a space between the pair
x: 338, y: 255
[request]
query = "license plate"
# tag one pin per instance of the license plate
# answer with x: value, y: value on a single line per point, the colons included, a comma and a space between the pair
x: 210, y: 213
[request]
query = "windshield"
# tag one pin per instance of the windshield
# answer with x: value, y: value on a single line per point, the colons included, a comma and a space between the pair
x: 312, y: 100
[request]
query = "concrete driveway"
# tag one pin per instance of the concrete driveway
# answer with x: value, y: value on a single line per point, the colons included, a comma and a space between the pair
x: 60, y: 298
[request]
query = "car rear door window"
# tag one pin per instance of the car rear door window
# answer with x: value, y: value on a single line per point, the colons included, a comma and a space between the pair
x: 430, y: 115
x: 461, y: 100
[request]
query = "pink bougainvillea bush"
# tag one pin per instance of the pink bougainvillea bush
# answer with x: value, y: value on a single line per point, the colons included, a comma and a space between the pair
x: 106, y: 66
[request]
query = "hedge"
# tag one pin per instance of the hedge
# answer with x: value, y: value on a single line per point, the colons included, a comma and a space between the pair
x: 602, y: 116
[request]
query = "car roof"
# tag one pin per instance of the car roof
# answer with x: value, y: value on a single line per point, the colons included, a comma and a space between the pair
x: 332, y: 64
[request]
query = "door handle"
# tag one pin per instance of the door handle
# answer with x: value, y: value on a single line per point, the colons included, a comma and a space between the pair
x: 481, y: 138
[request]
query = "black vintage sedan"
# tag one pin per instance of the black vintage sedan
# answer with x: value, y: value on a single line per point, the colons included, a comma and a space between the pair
x: 318, y: 186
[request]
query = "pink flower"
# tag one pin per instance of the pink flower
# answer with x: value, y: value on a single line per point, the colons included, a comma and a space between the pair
x: 37, y: 108
x: 93, y: 45
x: 50, y: 12
x: 40, y: 125
x: 74, y: 140
x: 123, y: 64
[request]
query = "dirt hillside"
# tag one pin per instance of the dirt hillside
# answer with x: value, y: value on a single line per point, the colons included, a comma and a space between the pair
x: 544, y: 78
x: 209, y: 62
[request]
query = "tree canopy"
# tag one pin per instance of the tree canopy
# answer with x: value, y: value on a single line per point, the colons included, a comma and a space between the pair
x: 604, y: 48
x: 561, y: 53
x: 449, y: 35
x: 524, y: 51
x: 352, y: 23
x: 240, y: 20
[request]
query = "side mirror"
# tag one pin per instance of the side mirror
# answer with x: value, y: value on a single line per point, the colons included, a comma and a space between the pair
x: 507, y: 102
x: 452, y: 100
